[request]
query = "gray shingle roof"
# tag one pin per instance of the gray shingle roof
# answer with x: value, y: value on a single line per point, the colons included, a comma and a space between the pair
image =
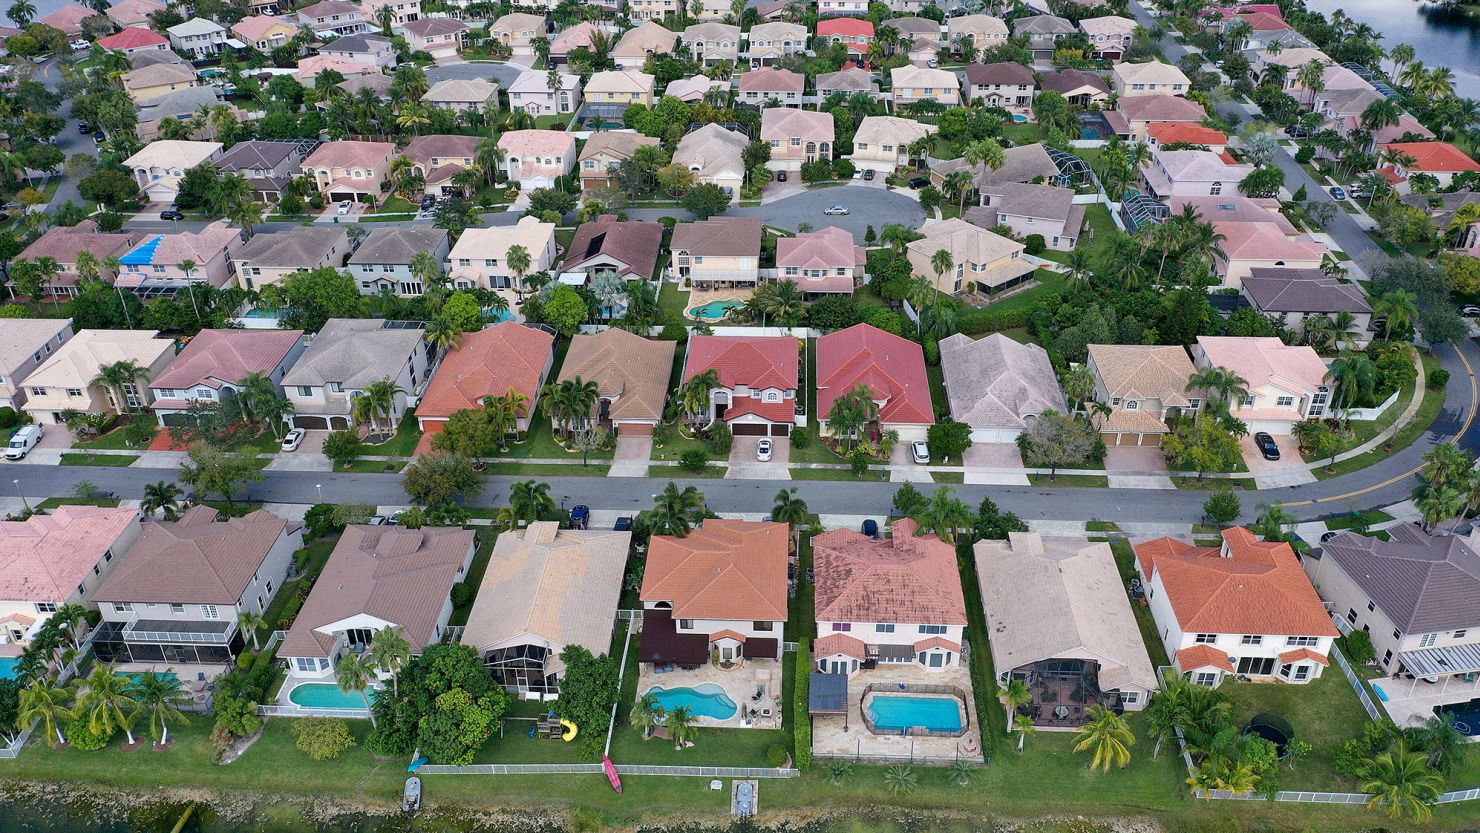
x: 1272, y: 289
x: 1423, y: 583
x: 354, y: 352
x: 395, y: 246
x: 996, y: 382
x: 1004, y: 72
x: 1044, y: 201
x: 301, y: 247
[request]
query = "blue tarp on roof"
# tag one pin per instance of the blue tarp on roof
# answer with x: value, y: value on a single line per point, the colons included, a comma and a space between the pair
x: 144, y: 254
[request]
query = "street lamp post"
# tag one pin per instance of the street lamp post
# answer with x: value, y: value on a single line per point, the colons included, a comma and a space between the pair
x: 320, y: 487
x: 18, y: 491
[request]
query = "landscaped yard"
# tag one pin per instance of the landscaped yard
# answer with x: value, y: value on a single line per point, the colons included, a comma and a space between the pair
x: 114, y: 439
x: 1088, y: 481
x: 1428, y: 410
x: 112, y: 460
x: 486, y: 535
x: 1125, y: 561
x: 1324, y: 713
x: 673, y: 299
x: 408, y: 434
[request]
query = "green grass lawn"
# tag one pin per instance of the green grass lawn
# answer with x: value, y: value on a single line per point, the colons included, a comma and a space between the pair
x: 370, y: 467
x: 539, y: 441
x: 1369, y: 517
x: 1023, y: 133
x: 1428, y: 411
x: 535, y: 470
x: 408, y: 434
x: 111, y: 460
x: 1125, y: 561
x: 948, y: 476
x: 874, y: 475
x: 114, y: 440
x: 54, y: 502
x: 1049, y: 283
x: 673, y: 299
x: 1213, y: 484
x: 1324, y: 713
x: 1086, y: 481
x: 313, y: 557
x: 486, y: 536
x: 397, y: 205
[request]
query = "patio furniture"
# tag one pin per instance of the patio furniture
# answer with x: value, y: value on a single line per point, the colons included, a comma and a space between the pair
x: 1061, y: 712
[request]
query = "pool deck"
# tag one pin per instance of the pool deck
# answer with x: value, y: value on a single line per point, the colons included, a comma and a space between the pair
x: 1413, y: 701
x: 850, y: 739
x: 740, y: 685
x: 700, y: 297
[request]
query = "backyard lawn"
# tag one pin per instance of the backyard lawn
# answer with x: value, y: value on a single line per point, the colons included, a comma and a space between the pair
x: 1324, y: 713
x: 1428, y: 410
x: 673, y: 299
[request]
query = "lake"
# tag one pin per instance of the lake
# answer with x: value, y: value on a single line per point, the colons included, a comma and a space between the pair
x: 1439, y: 35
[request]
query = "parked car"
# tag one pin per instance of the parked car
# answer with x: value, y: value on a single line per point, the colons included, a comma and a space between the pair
x: 920, y: 451
x: 83, y: 128
x: 378, y: 520
x: 781, y: 176
x: 858, y: 174
x: 171, y: 214
x: 580, y: 516
x: 835, y: 210
x: 868, y: 175
x: 1267, y: 446
x: 80, y: 45
x: 871, y: 527
x: 763, y: 451
x: 1470, y: 311
x: 1337, y: 192
x: 428, y: 202
x: 22, y: 441
x: 919, y: 182
x: 344, y: 207
x: 623, y: 524
x: 932, y: 63
x: 294, y: 439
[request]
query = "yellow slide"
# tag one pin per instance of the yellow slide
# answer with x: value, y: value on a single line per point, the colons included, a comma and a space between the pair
x: 570, y: 730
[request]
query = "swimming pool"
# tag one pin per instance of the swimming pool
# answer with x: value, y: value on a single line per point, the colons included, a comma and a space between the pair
x: 504, y: 315
x: 1019, y: 118
x: 138, y: 676
x: 706, y: 699
x: 1089, y: 134
x: 327, y: 696
x: 8, y: 667
x: 714, y: 310
x: 898, y: 712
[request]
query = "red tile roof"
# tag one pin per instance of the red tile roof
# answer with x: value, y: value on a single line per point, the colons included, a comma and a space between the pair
x: 1185, y: 131
x: 1434, y: 156
x: 783, y: 411
x: 488, y: 363
x: 845, y: 26
x: 733, y: 570
x: 909, y: 579
x: 133, y: 37
x: 1203, y: 656
x: 893, y: 368
x: 1301, y: 655
x: 1245, y: 586
x: 839, y: 643
x: 227, y: 355
x: 768, y: 362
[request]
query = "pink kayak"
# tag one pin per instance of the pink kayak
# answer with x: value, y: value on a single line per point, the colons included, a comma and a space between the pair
x: 611, y: 774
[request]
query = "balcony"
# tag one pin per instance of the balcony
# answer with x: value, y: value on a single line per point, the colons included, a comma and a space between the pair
x: 183, y: 632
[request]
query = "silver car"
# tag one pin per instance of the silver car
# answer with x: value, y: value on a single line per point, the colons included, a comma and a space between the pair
x: 835, y: 209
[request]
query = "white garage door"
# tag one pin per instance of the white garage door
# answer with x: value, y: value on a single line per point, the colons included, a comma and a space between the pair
x: 1277, y: 427
x: 994, y: 435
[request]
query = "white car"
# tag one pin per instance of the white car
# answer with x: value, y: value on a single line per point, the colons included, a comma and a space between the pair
x: 920, y: 451
x: 835, y: 209
x: 80, y: 45
x: 763, y: 451
x: 344, y: 207
x: 294, y: 439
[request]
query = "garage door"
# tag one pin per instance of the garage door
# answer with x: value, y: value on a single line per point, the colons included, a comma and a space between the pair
x: 1110, y: 438
x: 748, y: 429
x: 1151, y: 439
x: 310, y: 422
x: 634, y: 429
x: 780, y: 429
x: 995, y: 435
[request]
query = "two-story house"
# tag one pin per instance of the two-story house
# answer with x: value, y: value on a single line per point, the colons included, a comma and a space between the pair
x: 1293, y: 295
x: 718, y: 592
x: 1286, y: 383
x: 382, y: 263
x: 796, y: 137
x: 480, y: 259
x: 757, y: 392
x: 349, y: 170
x: 910, y: 83
x: 882, y: 143
x: 983, y: 30
x: 332, y: 18
x: 347, y: 356
x: 214, y: 365
x: 438, y: 158
x: 60, y: 558
x: 1044, y: 210
x: 768, y: 43
x: 440, y: 37
x: 718, y: 252
x: 65, y: 381
x: 715, y: 155
x: 605, y: 245
x: 532, y: 93
x: 362, y: 48
x: 134, y: 40
x: 1044, y: 31
x: 569, y: 39
x: 24, y: 345
x: 1109, y: 36
x: 1244, y: 607
x: 640, y: 43
x: 853, y: 33
x: 890, y: 602
x: 152, y: 82
x: 650, y: 10
x: 518, y: 30
x: 463, y: 95
x: 712, y: 43
x: 770, y: 86
x: 1191, y: 173
x: 1144, y: 385
x: 1440, y: 160
x: 178, y: 594
x: 1006, y: 84
x: 846, y: 82
x: 980, y: 259
x: 402, y: 12
x: 1134, y: 115
x: 1148, y: 78
x: 160, y: 166
x: 606, y: 150
x: 267, y: 259
x: 491, y: 362
x: 198, y: 37
x: 377, y: 577
x: 133, y: 13
x: 889, y: 367
x: 1248, y: 246
x: 264, y: 33
x: 268, y: 165
x: 535, y: 158
x: 64, y: 243
x: 610, y: 92
x: 1162, y: 134
x: 168, y: 263
x: 822, y: 262
x: 919, y: 38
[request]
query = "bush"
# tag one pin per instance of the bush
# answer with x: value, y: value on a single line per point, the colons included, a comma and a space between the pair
x: 322, y: 738
x: 343, y: 446
x: 932, y: 351
x: 1306, y: 153
x: 693, y: 459
x: 81, y: 736
x: 719, y: 439
x: 1222, y: 507
x: 801, y: 438
x: 776, y: 755
x: 290, y: 612
x: 320, y: 520
x: 1034, y: 245
x: 8, y: 417
x: 674, y: 331
x: 244, y: 660
x: 843, y: 168
x: 1437, y: 379
x: 462, y: 594
x: 1358, y: 648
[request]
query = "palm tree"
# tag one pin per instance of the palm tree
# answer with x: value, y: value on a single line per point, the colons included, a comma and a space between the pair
x: 425, y: 268
x: 780, y: 300
x: 390, y: 651
x: 1355, y: 376
x: 49, y: 702
x: 682, y: 726
x: 1384, y: 112
x: 251, y: 621
x: 108, y: 703
x: 1399, y: 307
x: 675, y: 512
x: 443, y: 335
x: 1079, y: 385
x: 901, y: 780
x: 1221, y: 387
x: 1312, y: 76
x: 1024, y: 726
x: 838, y: 772
x: 1015, y: 694
x: 944, y: 514
x: 791, y: 510
x: 1444, y: 744
x: 354, y: 673
x: 1107, y: 737
x: 257, y: 395
x: 1077, y: 267
x: 646, y: 715
x: 520, y: 262
x: 941, y: 262
x: 161, y: 697
x: 1401, y: 55
x: 1166, y: 713
x: 530, y: 502
x: 67, y: 618
x: 696, y: 392
x: 961, y: 772
x: 116, y: 376
x: 378, y: 399
x: 1438, y: 502
x: 1401, y: 783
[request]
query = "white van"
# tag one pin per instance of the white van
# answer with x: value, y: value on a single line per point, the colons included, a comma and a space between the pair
x: 23, y: 441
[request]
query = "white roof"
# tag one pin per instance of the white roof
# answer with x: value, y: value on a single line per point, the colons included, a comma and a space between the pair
x: 196, y: 26
x: 170, y: 153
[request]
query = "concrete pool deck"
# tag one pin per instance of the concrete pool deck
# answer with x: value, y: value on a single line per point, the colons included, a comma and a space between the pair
x: 702, y: 297
x: 856, y: 743
x: 740, y: 685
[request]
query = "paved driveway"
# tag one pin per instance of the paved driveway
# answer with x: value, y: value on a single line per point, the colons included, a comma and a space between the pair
x: 1144, y: 468
x: 744, y: 465
x: 1289, y: 470
x: 998, y: 456
x: 631, y: 457
x: 905, y: 469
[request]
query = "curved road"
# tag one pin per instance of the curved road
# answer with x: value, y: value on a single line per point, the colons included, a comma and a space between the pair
x: 1385, y: 482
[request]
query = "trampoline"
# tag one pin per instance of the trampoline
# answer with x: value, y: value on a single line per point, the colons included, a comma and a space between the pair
x: 1273, y: 728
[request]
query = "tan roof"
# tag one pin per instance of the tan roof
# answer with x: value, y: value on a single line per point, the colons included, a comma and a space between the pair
x: 45, y: 557
x: 966, y: 243
x: 156, y: 75
x: 550, y: 587
x: 976, y: 24
x: 76, y: 362
x: 619, y: 81
x: 479, y: 244
x: 196, y: 560
x: 397, y: 575
x: 908, y: 578
x: 723, y: 570
x: 649, y: 37
x: 914, y: 77
x: 719, y: 237
x: 628, y: 368
x: 171, y: 153
x: 1107, y: 25
x: 1150, y: 72
x: 615, y: 143
x: 520, y: 22
x: 21, y: 338
x: 791, y: 122
x: 461, y: 90
x: 1142, y: 371
x: 350, y: 154
x: 891, y: 130
x: 1060, y: 598
x: 712, y: 151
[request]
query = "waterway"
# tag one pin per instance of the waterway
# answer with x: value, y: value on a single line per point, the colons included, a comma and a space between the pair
x: 1440, y: 35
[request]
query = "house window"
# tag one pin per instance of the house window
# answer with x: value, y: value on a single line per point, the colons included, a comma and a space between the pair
x: 932, y: 629
x: 209, y: 612
x: 1300, y: 641
x: 305, y: 390
x: 177, y: 610
x: 1351, y: 615
x: 1246, y: 402
x: 1397, y: 634
x: 1130, y: 698
x: 1215, y: 189
x: 1251, y: 639
x: 1387, y: 656
x: 842, y: 627
x: 269, y: 585
x: 46, y: 607
x: 1460, y: 634
x: 1371, y: 607
x: 760, y: 626
x: 336, y: 387
x: 1205, y: 678
x: 1205, y: 639
x: 883, y: 629
x: 122, y: 607
x: 1284, y: 401
x: 74, y: 391
x: 685, y: 624
x: 1428, y: 640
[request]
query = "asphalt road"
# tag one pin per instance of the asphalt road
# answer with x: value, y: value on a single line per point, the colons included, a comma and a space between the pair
x: 70, y: 141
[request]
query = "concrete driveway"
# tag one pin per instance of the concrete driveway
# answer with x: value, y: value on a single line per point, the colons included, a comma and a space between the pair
x: 1136, y: 467
x: 905, y: 469
x: 992, y: 464
x: 1289, y: 470
x: 744, y: 465
x: 631, y: 457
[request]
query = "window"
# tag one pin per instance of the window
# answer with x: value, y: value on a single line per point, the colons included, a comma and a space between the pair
x: 74, y: 391
x: 842, y: 627
x: 1460, y: 634
x: 1251, y: 639
x: 1371, y: 607
x: 209, y: 612
x: 1205, y: 678
x: 1351, y: 615
x: 1205, y: 639
x: 1300, y: 641
x: 46, y: 607
x: 1387, y: 656
x: 97, y: 571
x: 1130, y: 698
x: 685, y: 624
x: 269, y: 585
x: 1216, y: 189
x: 932, y: 629
x: 177, y: 610
x: 760, y: 626
x: 1284, y: 401
x: 38, y: 391
x: 1428, y: 640
x: 122, y: 607
x: 883, y: 629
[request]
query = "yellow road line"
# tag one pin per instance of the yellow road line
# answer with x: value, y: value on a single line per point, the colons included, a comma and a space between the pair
x: 1469, y: 418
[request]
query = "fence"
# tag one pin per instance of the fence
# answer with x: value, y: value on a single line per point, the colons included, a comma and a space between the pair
x: 1356, y: 682
x: 915, y: 688
x: 897, y: 760
x: 629, y: 769
x: 13, y: 749
x: 308, y: 711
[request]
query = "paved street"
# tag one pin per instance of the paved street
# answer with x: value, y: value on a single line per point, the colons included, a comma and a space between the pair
x: 69, y: 141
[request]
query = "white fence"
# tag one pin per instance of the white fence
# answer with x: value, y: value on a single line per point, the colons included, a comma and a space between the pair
x: 630, y: 769
x: 1374, y: 413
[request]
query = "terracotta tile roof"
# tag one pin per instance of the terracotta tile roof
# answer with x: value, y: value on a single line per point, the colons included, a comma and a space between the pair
x: 790, y: 122
x: 846, y: 27
x: 909, y: 578
x: 828, y: 248
x: 1245, y: 586
x: 538, y: 142
x: 839, y: 643
x: 628, y: 368
x: 1434, y: 156
x: 770, y: 78
x: 758, y: 362
x: 634, y: 243
x: 1185, y: 131
x: 1160, y: 107
x: 349, y: 154
x: 783, y: 411
x: 575, y: 36
x: 1265, y: 241
x: 133, y: 38
x: 930, y: 642
x: 397, y: 575
x: 1203, y: 656
x: 216, y: 356
x: 1138, y: 371
x: 196, y: 560
x: 891, y: 367
x: 1303, y: 654
x: 488, y: 363
x: 44, y: 558
x: 726, y: 569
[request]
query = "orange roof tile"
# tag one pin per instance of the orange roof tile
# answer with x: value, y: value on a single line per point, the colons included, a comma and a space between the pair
x: 891, y: 367
x: 1203, y: 656
x: 839, y: 643
x: 1435, y: 156
x: 1186, y: 131
x: 761, y: 363
x: 725, y: 569
x: 1301, y: 655
x: 488, y: 363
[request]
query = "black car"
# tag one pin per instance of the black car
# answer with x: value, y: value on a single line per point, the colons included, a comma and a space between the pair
x: 1267, y: 446
x: 170, y: 214
x: 868, y: 175
x: 781, y: 176
x: 919, y: 182
x: 84, y: 128
x: 428, y: 202
x: 623, y: 524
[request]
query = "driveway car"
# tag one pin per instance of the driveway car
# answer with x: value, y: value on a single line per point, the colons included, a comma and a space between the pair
x: 1470, y: 311
x: 868, y: 175
x: 345, y: 206
x: 1338, y: 193
x: 171, y: 214
x: 580, y: 516
x: 919, y: 182
x: 294, y: 439
x: 763, y: 451
x: 1267, y: 446
x: 920, y: 451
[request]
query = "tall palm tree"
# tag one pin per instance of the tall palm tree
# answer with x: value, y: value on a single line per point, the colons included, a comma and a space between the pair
x: 1401, y: 55
x: 1384, y: 112
x: 695, y: 394
x: 779, y: 300
x: 378, y: 399
x: 791, y: 510
x: 354, y: 673
x: 1078, y: 384
x: 1107, y: 737
x: 1077, y: 267
x: 390, y: 651
x: 1312, y: 76
x: 1355, y: 376
x: 682, y: 726
x: 1015, y: 695
x: 108, y: 702
x: 1399, y: 307
x: 250, y: 622
x: 1401, y: 783
x: 161, y: 697
x: 941, y: 262
x: 530, y: 501
x: 257, y: 395
x: 676, y: 511
x: 645, y: 715
x: 49, y: 702
x: 519, y: 263
x: 443, y: 335
x: 1221, y: 387
x: 116, y: 376
x: 945, y: 514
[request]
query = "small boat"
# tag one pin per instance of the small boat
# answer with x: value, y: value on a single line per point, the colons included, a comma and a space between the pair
x: 611, y: 774
x: 411, y: 796
x: 420, y: 761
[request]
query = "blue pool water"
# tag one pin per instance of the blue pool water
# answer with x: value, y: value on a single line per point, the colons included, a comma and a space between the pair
x: 706, y: 699
x: 1019, y: 118
x: 503, y: 315
x: 7, y: 667
x: 137, y: 676
x: 1089, y: 134
x: 262, y: 313
x: 714, y: 310
x: 327, y: 696
x: 897, y: 712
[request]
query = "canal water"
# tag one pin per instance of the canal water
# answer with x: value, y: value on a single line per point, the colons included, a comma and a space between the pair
x: 1440, y: 35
